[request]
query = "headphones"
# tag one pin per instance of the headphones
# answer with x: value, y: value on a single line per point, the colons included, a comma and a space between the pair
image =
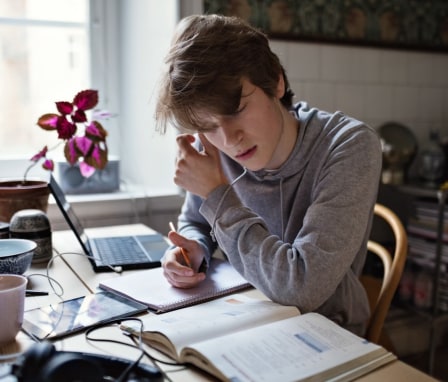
x: 43, y: 363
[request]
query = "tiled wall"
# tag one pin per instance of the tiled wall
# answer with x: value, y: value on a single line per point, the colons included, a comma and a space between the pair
x: 373, y: 85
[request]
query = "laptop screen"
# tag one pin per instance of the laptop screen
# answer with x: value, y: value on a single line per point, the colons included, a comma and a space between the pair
x: 68, y: 213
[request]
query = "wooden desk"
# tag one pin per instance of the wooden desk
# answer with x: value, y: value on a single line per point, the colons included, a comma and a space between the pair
x: 79, y: 278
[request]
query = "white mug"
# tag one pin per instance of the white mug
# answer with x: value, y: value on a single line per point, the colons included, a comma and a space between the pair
x: 12, y: 302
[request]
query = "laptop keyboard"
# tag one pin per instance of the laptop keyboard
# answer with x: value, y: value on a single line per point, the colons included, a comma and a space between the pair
x: 120, y: 250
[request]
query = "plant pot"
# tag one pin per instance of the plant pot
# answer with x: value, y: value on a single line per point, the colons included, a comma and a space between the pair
x: 16, y: 195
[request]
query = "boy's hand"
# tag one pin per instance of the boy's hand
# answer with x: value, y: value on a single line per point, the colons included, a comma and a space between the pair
x: 175, y: 270
x: 198, y: 172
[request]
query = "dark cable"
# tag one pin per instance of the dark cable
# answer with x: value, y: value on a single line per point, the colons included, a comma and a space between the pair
x: 138, y: 345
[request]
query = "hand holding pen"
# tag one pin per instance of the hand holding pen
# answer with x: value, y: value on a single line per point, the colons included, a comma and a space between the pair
x: 182, y: 250
x: 180, y: 264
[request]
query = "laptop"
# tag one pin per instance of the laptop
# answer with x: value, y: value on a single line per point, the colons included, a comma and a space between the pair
x: 108, y: 253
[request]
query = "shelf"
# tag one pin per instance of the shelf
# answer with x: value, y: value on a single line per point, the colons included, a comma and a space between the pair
x: 427, y: 314
x: 434, y: 315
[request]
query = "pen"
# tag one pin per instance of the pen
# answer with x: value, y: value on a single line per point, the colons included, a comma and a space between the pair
x: 30, y: 292
x: 184, y: 254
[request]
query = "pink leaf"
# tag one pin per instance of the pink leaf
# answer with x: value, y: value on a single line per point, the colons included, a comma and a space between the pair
x: 79, y: 116
x: 96, y: 154
x: 84, y: 145
x: 48, y: 121
x: 40, y: 154
x: 64, y: 107
x: 48, y: 164
x: 86, y: 99
x: 66, y: 129
x: 96, y: 131
x: 97, y: 157
x: 86, y: 170
x: 70, y: 152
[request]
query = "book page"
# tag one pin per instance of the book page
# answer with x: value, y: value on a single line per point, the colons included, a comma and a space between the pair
x: 214, y: 318
x: 297, y: 348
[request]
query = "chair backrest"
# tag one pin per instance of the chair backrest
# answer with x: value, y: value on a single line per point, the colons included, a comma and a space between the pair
x: 381, y: 293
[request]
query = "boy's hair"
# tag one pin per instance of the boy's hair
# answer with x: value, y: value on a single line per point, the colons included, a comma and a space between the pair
x: 210, y: 55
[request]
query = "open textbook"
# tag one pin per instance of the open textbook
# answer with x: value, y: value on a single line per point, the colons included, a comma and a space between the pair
x: 237, y: 338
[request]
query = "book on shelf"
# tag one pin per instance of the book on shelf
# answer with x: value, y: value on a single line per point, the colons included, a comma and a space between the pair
x: 422, y: 251
x: 416, y: 228
x: 151, y: 288
x: 425, y: 220
x: 426, y: 248
x: 237, y: 338
x: 423, y: 223
x: 428, y: 209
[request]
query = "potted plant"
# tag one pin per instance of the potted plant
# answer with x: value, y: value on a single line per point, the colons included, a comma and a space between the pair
x: 84, y: 143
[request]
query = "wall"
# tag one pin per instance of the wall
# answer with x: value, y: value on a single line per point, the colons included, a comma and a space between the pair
x: 145, y: 32
x: 374, y: 85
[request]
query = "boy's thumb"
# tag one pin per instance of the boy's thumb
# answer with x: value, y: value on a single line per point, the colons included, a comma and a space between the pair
x: 208, y: 147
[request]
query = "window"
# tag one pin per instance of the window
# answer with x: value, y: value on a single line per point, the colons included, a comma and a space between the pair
x: 44, y: 55
x: 50, y: 49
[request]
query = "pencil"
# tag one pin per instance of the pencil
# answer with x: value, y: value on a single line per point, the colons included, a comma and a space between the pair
x: 184, y: 254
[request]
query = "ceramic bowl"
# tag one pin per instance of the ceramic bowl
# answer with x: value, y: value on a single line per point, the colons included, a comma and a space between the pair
x: 16, y: 255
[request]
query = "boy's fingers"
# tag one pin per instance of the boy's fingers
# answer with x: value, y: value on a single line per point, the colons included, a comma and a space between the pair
x: 208, y: 147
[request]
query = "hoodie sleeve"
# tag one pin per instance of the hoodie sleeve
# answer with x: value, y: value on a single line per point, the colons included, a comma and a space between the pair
x: 192, y: 224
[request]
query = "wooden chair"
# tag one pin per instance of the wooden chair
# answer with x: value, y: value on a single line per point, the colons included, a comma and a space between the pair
x: 381, y: 291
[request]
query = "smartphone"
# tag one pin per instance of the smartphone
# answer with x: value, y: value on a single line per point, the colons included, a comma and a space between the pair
x: 71, y: 316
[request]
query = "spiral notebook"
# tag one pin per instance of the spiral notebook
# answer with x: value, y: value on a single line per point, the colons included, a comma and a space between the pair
x: 150, y: 287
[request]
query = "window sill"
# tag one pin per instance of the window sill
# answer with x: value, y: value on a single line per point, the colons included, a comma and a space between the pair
x: 132, y: 204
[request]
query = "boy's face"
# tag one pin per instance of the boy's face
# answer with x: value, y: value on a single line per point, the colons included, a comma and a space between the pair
x: 255, y: 135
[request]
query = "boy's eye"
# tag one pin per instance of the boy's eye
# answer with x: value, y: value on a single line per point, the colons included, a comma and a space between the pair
x: 209, y: 129
x: 240, y: 109
x: 208, y: 126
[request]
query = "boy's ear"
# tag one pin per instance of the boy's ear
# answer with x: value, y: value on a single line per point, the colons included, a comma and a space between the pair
x: 281, y: 86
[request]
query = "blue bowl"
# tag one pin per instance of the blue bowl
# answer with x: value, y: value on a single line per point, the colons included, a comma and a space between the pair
x: 16, y: 255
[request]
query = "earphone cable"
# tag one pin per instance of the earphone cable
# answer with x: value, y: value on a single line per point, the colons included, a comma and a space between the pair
x: 138, y: 345
x: 52, y: 282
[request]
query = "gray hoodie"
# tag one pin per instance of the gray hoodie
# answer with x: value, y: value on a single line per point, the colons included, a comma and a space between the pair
x: 299, y: 233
